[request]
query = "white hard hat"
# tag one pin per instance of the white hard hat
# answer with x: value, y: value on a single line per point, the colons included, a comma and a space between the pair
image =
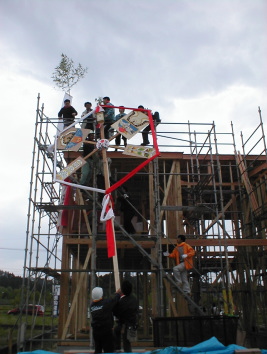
x: 97, y: 293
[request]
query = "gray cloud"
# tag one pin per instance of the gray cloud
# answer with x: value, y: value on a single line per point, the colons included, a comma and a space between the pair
x: 137, y: 52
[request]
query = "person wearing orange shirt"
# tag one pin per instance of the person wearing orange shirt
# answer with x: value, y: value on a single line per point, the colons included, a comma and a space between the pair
x: 183, y: 254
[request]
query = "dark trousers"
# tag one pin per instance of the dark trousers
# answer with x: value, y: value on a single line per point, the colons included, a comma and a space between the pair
x: 106, y: 130
x: 118, y: 140
x: 121, y: 330
x: 146, y: 131
x: 103, y: 341
x: 145, y: 134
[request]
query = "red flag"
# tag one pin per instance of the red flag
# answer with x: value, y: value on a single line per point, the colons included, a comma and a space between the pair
x: 67, y: 201
x: 110, y: 234
x: 107, y: 215
x: 110, y: 238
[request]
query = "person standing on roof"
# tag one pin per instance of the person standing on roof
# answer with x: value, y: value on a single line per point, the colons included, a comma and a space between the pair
x: 102, y: 320
x: 109, y: 116
x: 126, y: 311
x: 89, y: 122
x: 156, y: 121
x: 119, y: 116
x: 68, y: 113
x: 183, y: 254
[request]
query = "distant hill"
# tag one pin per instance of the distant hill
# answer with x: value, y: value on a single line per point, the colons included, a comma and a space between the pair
x: 10, y: 280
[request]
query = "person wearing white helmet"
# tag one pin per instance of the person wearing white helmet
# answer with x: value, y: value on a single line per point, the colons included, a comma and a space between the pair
x: 102, y: 320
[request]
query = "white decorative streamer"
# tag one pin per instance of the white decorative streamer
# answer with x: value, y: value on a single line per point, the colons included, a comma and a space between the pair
x: 110, y: 213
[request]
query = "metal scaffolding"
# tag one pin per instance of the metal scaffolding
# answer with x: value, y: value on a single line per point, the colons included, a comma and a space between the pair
x: 200, y: 186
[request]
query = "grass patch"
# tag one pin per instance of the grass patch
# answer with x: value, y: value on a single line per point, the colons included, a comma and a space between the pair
x: 9, y: 324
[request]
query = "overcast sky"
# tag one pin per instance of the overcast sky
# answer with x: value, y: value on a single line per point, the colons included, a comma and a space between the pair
x: 191, y: 60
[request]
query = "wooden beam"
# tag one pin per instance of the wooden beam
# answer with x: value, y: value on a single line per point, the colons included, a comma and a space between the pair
x: 169, y: 296
x: 218, y: 217
x: 103, y: 243
x: 246, y: 181
x: 193, y: 242
x: 166, y: 192
x: 223, y: 242
x: 107, y: 185
x: 258, y: 169
x: 81, y: 201
x: 75, y: 298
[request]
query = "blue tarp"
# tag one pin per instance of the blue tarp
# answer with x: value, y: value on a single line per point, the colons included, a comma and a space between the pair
x: 211, y: 346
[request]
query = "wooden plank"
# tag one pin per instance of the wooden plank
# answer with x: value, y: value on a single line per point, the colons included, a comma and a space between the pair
x: 169, y: 296
x: 218, y: 217
x: 103, y: 243
x: 84, y: 214
x: 107, y: 185
x: 258, y: 169
x: 64, y: 286
x: 151, y: 197
x: 166, y: 192
x: 193, y: 242
x: 246, y: 181
x: 75, y: 298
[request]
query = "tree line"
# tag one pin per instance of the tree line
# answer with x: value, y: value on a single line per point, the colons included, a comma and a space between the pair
x: 11, y: 286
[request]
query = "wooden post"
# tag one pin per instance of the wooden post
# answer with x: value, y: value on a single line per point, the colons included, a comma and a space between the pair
x: 107, y: 185
x: 75, y: 297
x: 9, y: 338
x: 64, y: 284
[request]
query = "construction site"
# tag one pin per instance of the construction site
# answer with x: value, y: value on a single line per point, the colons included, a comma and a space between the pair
x: 201, y: 186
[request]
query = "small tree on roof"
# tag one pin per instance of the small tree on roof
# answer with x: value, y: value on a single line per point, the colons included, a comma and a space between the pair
x: 66, y: 75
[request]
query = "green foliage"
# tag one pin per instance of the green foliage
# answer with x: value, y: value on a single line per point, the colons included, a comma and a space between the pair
x: 66, y: 75
x: 11, y: 287
x: 10, y: 280
x: 99, y: 100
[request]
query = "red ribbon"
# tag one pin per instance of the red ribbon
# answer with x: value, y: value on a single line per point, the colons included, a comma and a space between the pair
x: 67, y: 201
x: 110, y: 233
x: 143, y: 164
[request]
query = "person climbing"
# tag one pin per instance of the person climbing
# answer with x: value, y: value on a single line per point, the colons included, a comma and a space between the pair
x: 183, y: 254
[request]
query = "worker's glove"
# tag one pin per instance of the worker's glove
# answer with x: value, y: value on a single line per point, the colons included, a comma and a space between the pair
x: 166, y: 254
x: 184, y: 256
